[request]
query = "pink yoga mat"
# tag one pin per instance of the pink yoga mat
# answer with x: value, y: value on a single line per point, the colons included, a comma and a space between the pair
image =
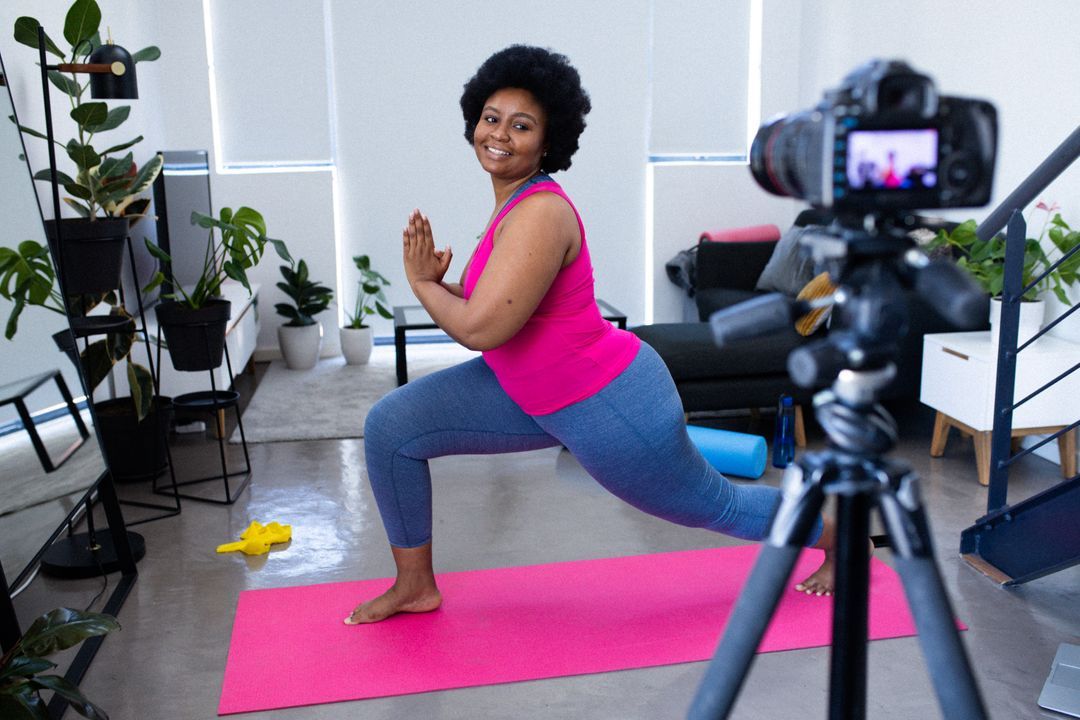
x: 290, y: 648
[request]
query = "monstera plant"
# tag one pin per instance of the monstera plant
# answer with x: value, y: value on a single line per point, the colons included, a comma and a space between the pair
x: 21, y: 681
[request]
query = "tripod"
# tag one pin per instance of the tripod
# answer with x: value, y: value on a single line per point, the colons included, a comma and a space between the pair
x: 871, y: 315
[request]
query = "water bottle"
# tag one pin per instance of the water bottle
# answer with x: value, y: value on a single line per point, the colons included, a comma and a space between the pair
x: 784, y: 438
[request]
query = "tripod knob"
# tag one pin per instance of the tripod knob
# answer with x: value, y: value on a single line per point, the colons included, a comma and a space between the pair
x: 815, y: 365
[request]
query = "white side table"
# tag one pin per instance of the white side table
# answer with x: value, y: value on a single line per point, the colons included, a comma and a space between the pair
x: 959, y: 375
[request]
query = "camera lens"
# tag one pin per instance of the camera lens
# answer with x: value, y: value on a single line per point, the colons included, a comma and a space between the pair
x: 786, y: 157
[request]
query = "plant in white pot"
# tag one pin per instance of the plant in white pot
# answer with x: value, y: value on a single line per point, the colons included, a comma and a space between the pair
x: 300, y: 339
x: 984, y: 260
x: 1064, y: 291
x: 355, y: 336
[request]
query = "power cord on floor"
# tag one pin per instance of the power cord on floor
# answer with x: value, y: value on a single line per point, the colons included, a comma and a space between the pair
x: 104, y: 578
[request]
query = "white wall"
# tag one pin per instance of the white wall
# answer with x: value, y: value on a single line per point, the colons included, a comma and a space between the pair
x: 398, y: 69
x: 1018, y: 55
x: 1021, y: 56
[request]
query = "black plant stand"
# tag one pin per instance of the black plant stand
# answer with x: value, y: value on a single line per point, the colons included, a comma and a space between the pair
x: 173, y: 508
x: 215, y: 401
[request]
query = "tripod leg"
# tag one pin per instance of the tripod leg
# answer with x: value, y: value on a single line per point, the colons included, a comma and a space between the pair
x: 946, y: 659
x: 798, y: 511
x: 847, y: 674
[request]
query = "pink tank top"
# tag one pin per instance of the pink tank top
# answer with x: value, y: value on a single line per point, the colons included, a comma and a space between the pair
x: 566, y: 351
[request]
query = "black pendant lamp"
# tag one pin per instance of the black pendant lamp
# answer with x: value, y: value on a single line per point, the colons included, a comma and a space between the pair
x: 119, y: 82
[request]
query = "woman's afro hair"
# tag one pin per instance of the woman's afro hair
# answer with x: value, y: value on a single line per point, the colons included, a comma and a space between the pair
x: 554, y: 83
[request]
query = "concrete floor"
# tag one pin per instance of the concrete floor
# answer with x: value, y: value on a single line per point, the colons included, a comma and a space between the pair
x: 528, y: 508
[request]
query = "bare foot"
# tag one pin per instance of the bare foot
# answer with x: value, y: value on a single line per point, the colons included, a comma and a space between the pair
x: 821, y: 581
x: 395, y: 601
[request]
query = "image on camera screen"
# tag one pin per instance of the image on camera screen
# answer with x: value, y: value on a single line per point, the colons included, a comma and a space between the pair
x: 892, y: 159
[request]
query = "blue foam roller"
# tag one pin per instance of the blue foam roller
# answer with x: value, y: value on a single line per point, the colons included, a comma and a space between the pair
x: 731, y: 453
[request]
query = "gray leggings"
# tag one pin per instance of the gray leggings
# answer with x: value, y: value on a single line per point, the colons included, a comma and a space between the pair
x: 630, y: 437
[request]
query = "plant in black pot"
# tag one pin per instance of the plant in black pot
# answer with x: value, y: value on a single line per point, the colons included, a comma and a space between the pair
x: 133, y: 427
x: 300, y: 339
x: 21, y: 681
x: 193, y: 319
x: 105, y: 188
x: 356, y: 340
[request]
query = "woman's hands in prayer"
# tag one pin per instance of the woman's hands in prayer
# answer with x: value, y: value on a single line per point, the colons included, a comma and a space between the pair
x: 423, y: 263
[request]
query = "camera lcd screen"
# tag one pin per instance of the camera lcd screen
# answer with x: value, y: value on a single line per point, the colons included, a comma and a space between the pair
x: 887, y: 160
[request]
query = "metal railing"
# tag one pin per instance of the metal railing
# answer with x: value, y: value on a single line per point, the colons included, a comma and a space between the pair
x: 1040, y: 535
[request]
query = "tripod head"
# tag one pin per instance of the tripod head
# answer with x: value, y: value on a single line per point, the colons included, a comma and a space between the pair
x: 872, y: 261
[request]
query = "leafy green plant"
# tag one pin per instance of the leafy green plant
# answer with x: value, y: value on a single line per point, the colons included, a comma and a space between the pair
x: 105, y: 181
x: 985, y: 259
x: 309, y: 297
x: 240, y: 243
x: 27, y: 278
x: 1064, y: 239
x: 20, y: 681
x: 370, y: 298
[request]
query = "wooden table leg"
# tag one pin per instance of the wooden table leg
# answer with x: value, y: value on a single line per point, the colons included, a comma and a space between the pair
x: 1067, y: 449
x: 219, y: 429
x: 941, y: 434
x: 982, y: 455
x: 800, y: 427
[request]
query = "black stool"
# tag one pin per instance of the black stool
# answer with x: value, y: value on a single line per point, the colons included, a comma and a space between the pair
x: 16, y: 392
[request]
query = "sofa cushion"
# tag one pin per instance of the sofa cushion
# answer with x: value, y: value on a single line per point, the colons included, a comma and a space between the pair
x: 788, y: 270
x: 690, y: 354
x: 709, y: 300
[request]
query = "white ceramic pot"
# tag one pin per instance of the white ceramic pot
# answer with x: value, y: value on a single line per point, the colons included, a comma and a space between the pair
x: 300, y: 345
x: 1069, y: 328
x: 356, y: 345
x: 1031, y: 319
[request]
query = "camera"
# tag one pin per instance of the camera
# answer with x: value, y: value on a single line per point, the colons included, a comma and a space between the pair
x: 882, y: 141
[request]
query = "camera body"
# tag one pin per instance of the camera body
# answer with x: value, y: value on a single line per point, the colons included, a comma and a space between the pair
x: 883, y: 141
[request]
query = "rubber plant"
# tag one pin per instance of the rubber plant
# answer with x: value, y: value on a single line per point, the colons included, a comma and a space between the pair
x: 309, y: 297
x: 106, y: 183
x: 21, y: 681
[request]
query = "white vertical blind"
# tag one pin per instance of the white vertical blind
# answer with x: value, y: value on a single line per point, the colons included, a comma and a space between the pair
x: 700, y: 66
x: 269, y: 64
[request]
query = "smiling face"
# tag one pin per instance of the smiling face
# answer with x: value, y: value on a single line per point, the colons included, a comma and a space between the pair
x: 509, y: 136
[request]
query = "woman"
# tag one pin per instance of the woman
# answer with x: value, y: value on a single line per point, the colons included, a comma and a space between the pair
x: 553, y: 372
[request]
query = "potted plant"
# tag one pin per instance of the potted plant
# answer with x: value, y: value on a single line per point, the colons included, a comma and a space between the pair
x: 193, y: 320
x: 106, y: 192
x: 984, y: 260
x: 132, y: 428
x: 27, y: 278
x: 1065, y: 280
x: 105, y: 189
x: 300, y: 338
x: 20, y: 680
x: 355, y: 336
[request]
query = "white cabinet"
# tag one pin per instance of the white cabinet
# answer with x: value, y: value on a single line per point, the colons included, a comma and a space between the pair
x: 959, y: 377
